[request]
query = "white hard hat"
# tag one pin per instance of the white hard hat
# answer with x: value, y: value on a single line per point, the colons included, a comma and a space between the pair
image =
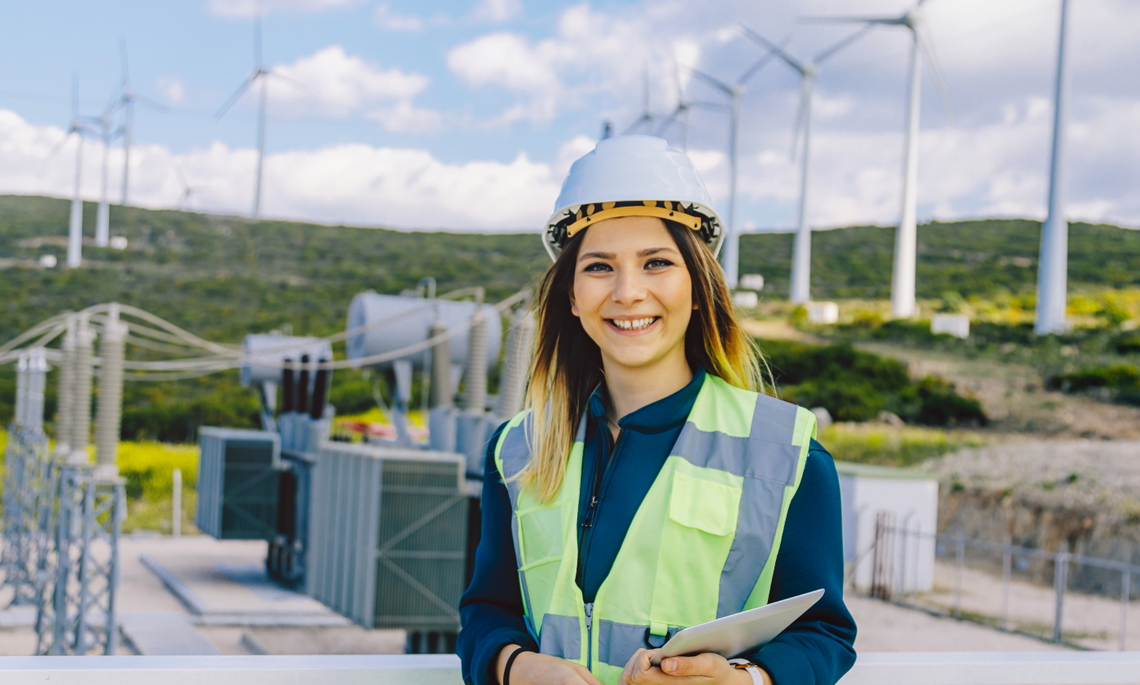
x: 632, y: 176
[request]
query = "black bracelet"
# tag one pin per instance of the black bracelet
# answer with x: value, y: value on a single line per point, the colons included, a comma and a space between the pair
x: 510, y: 662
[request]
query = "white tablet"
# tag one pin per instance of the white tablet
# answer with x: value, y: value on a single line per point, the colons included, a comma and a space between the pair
x: 734, y: 635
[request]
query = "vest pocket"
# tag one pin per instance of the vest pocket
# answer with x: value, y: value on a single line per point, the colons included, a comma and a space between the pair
x: 704, y: 505
x: 540, y: 543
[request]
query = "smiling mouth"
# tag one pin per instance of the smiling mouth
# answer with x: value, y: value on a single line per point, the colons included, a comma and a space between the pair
x: 634, y: 324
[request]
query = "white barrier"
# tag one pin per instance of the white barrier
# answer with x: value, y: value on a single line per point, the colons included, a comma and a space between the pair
x: 949, y: 668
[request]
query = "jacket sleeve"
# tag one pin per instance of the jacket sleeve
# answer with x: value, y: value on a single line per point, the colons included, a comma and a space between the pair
x: 820, y: 646
x: 491, y: 610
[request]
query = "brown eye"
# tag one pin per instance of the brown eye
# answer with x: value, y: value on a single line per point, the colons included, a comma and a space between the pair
x: 658, y: 263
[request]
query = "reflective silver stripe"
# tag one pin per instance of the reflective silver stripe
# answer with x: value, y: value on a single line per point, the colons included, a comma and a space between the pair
x: 514, y: 455
x: 756, y: 525
x: 746, y: 457
x: 772, y: 462
x: 618, y: 641
x: 774, y: 420
x: 561, y: 636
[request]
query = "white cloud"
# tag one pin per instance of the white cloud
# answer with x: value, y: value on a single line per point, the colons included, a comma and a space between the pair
x: 349, y: 183
x: 251, y: 8
x: 172, y: 89
x: 331, y: 82
x: 385, y: 18
x: 498, y: 10
x: 591, y: 53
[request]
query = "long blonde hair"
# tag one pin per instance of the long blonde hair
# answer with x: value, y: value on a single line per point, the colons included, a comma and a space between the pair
x: 567, y: 364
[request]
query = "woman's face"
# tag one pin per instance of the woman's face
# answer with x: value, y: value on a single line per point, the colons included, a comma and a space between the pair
x: 633, y: 292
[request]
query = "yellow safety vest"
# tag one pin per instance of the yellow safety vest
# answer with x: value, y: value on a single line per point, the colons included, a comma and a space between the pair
x: 702, y: 545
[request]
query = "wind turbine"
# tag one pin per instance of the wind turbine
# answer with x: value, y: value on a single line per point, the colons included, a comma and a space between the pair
x: 808, y: 70
x: 260, y: 73
x: 906, y: 239
x: 126, y: 101
x: 647, y: 116
x: 187, y: 192
x: 102, y: 217
x: 75, y: 225
x: 1052, y: 265
x: 681, y: 112
x: 730, y: 259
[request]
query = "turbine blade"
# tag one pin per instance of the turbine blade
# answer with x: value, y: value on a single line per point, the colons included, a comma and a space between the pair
x: 153, y: 104
x: 59, y: 146
x: 927, y: 48
x: 74, y: 97
x: 643, y: 119
x: 707, y: 105
x: 257, y: 41
x: 237, y: 94
x: 715, y: 83
x: 852, y: 20
x: 760, y: 64
x: 843, y: 43
x: 668, y: 121
x: 294, y: 82
x: 772, y: 47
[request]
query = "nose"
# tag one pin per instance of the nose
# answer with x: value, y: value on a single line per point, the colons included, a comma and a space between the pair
x: 629, y: 287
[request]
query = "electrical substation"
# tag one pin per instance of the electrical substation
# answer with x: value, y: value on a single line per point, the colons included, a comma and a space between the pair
x: 381, y: 530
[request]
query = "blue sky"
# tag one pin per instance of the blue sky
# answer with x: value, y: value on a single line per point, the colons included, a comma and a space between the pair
x: 421, y: 115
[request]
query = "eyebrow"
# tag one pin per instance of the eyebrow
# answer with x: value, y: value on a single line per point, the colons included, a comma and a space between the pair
x: 640, y: 253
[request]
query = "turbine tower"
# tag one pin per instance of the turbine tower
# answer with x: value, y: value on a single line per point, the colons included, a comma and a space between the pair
x: 646, y: 119
x: 808, y: 70
x: 906, y: 239
x: 259, y: 74
x: 680, y: 113
x: 729, y: 256
x: 102, y: 217
x: 75, y: 223
x: 1052, y: 265
x: 126, y: 102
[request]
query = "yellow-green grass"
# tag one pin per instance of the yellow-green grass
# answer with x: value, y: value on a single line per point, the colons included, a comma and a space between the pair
x: 148, y: 468
x: 891, y: 446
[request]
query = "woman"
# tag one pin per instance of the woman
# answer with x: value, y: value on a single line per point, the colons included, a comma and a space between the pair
x: 654, y: 488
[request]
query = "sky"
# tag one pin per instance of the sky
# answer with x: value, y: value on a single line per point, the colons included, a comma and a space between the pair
x: 466, y: 114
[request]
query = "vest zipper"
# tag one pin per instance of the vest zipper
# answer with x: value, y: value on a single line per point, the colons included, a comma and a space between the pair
x: 589, y: 636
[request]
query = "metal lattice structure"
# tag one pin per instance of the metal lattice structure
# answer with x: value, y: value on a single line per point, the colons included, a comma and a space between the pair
x: 25, y: 465
x: 80, y: 569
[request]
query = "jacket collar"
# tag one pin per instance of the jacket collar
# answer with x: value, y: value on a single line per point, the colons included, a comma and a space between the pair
x: 661, y: 415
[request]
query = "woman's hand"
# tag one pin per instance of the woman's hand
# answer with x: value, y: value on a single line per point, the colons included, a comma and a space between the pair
x: 703, y: 669
x: 530, y: 668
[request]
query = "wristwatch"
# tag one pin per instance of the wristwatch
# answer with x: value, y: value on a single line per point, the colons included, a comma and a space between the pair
x: 753, y: 670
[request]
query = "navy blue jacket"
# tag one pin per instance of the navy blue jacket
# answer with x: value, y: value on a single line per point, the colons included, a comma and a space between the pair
x: 817, y: 648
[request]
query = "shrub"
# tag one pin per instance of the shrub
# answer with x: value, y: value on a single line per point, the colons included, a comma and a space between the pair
x: 1111, y: 376
x: 1127, y: 343
x: 856, y: 386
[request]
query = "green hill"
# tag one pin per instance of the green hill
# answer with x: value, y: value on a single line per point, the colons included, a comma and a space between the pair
x: 968, y: 257
x: 223, y: 276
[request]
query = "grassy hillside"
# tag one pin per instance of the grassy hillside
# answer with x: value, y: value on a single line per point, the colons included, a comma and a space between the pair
x: 982, y: 258
x: 223, y: 277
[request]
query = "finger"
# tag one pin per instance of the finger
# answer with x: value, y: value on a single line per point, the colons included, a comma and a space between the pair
x: 700, y: 665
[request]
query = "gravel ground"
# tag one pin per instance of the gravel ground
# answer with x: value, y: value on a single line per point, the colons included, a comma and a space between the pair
x: 1098, y: 477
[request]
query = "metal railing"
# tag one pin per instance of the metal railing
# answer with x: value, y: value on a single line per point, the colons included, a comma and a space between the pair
x: 893, y: 543
x: 951, y: 668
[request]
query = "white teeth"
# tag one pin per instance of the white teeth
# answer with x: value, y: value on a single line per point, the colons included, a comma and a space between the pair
x: 635, y: 324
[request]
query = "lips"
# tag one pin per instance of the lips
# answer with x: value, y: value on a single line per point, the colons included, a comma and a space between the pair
x: 634, y: 324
